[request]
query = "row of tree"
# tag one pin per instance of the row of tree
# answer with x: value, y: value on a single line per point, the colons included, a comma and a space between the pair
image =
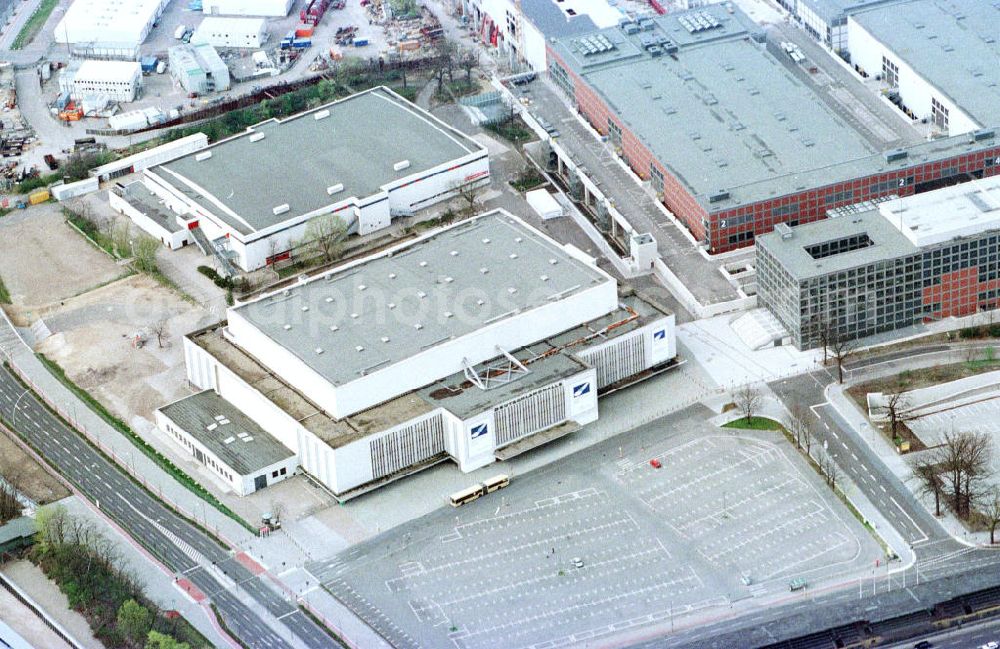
x: 89, y: 570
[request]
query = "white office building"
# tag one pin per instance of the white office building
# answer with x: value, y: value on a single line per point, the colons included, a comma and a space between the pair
x: 247, y: 7
x: 116, y: 80
x: 473, y: 343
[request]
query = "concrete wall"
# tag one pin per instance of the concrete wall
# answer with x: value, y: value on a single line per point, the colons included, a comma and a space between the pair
x: 72, y: 190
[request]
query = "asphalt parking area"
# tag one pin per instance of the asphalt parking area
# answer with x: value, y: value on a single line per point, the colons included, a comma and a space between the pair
x: 656, y: 545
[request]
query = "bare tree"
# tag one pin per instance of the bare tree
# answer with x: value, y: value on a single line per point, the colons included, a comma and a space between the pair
x: 839, y: 347
x: 925, y: 473
x: 468, y: 193
x: 326, y: 234
x: 831, y: 469
x: 747, y: 400
x: 991, y: 512
x: 468, y: 60
x: 799, y: 426
x: 963, y: 463
x: 10, y: 506
x: 159, y: 329
x: 897, y: 409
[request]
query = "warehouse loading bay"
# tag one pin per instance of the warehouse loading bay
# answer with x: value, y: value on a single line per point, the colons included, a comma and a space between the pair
x: 604, y: 543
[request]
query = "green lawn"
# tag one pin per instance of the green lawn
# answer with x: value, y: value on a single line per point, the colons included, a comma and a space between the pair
x: 755, y: 423
x: 34, y: 24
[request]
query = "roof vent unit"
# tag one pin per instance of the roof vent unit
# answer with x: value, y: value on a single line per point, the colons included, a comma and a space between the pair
x: 257, y: 137
x: 983, y: 134
x: 319, y: 350
x: 402, y: 164
x: 204, y: 155
x: 321, y: 114
x: 329, y: 299
x: 281, y: 209
x: 669, y: 47
x: 448, y: 314
x: 305, y: 308
x: 655, y: 51
x: 631, y: 29
x: 718, y: 196
x: 895, y: 154
x: 335, y: 189
x: 385, y: 339
x: 287, y: 327
x: 418, y: 326
x: 334, y: 328
x: 359, y: 348
x: 646, y: 24
x: 784, y: 230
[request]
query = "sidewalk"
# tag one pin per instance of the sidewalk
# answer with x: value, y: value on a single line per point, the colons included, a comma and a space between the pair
x: 897, y: 463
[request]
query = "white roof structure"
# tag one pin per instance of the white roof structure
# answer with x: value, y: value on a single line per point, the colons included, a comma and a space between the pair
x: 108, y: 71
x: 108, y: 21
x: 958, y: 211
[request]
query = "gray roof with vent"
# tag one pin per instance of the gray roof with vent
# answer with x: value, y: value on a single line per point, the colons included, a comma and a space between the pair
x: 393, y: 307
x: 726, y: 118
x: 790, y: 252
x: 552, y: 21
x: 357, y: 145
x: 953, y: 44
x: 834, y: 11
x: 234, y: 438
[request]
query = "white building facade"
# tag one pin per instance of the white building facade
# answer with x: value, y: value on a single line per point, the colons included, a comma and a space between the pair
x: 117, y: 80
x: 243, y: 33
x: 472, y: 397
x: 275, y: 8
x: 115, y: 24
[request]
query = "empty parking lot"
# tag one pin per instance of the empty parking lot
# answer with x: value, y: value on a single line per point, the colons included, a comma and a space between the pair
x: 656, y: 546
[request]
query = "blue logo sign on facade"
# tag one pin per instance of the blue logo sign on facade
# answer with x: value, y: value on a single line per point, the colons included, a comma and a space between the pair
x: 582, y: 389
x: 660, y: 335
x: 479, y: 430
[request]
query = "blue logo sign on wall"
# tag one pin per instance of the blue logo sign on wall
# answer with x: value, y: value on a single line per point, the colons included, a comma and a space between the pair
x: 660, y: 335
x: 582, y: 389
x: 479, y: 430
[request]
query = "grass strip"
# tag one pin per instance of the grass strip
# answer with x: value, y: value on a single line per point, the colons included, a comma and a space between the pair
x: 34, y: 24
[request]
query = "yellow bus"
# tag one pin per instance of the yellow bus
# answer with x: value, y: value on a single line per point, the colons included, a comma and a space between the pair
x: 466, y: 495
x: 496, y: 482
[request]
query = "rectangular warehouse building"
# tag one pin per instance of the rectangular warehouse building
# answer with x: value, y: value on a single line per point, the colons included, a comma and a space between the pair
x: 198, y: 68
x: 273, y: 8
x: 368, y: 158
x: 475, y: 342
x: 826, y: 20
x: 114, y: 24
x: 729, y: 138
x: 117, y: 80
x: 243, y: 33
x: 938, y: 56
x: 899, y: 263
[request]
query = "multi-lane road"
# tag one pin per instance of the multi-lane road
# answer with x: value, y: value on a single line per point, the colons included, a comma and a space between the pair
x: 250, y: 608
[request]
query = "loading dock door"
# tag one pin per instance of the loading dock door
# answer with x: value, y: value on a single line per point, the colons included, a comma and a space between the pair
x: 259, y: 482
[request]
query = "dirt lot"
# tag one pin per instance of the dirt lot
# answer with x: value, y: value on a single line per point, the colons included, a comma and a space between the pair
x: 43, y: 261
x: 21, y: 470
x: 92, y: 339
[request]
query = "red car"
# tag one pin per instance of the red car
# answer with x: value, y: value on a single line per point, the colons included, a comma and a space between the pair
x: 655, y: 463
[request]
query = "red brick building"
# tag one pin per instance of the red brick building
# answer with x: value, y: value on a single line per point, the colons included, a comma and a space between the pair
x: 729, y: 139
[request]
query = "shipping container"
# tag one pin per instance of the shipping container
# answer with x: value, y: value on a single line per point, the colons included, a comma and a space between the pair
x: 304, y: 31
x: 360, y: 42
x: 301, y: 43
x: 39, y: 197
x: 148, y: 63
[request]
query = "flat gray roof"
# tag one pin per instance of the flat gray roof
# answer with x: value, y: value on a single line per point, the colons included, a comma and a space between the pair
x: 888, y: 243
x: 435, y: 289
x: 357, y: 145
x: 723, y: 114
x: 832, y: 11
x: 234, y: 438
x: 950, y: 43
x: 552, y: 22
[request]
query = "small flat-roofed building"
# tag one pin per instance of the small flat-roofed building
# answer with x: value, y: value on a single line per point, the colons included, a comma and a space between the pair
x: 728, y: 137
x: 247, y: 7
x: 938, y: 55
x: 198, y: 68
x: 117, y: 80
x: 472, y: 343
x: 826, y: 20
x: 367, y: 159
x: 892, y: 265
x: 230, y: 444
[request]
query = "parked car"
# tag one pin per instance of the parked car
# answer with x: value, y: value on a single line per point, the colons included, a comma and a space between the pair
x: 923, y: 644
x: 577, y: 562
x: 656, y: 464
